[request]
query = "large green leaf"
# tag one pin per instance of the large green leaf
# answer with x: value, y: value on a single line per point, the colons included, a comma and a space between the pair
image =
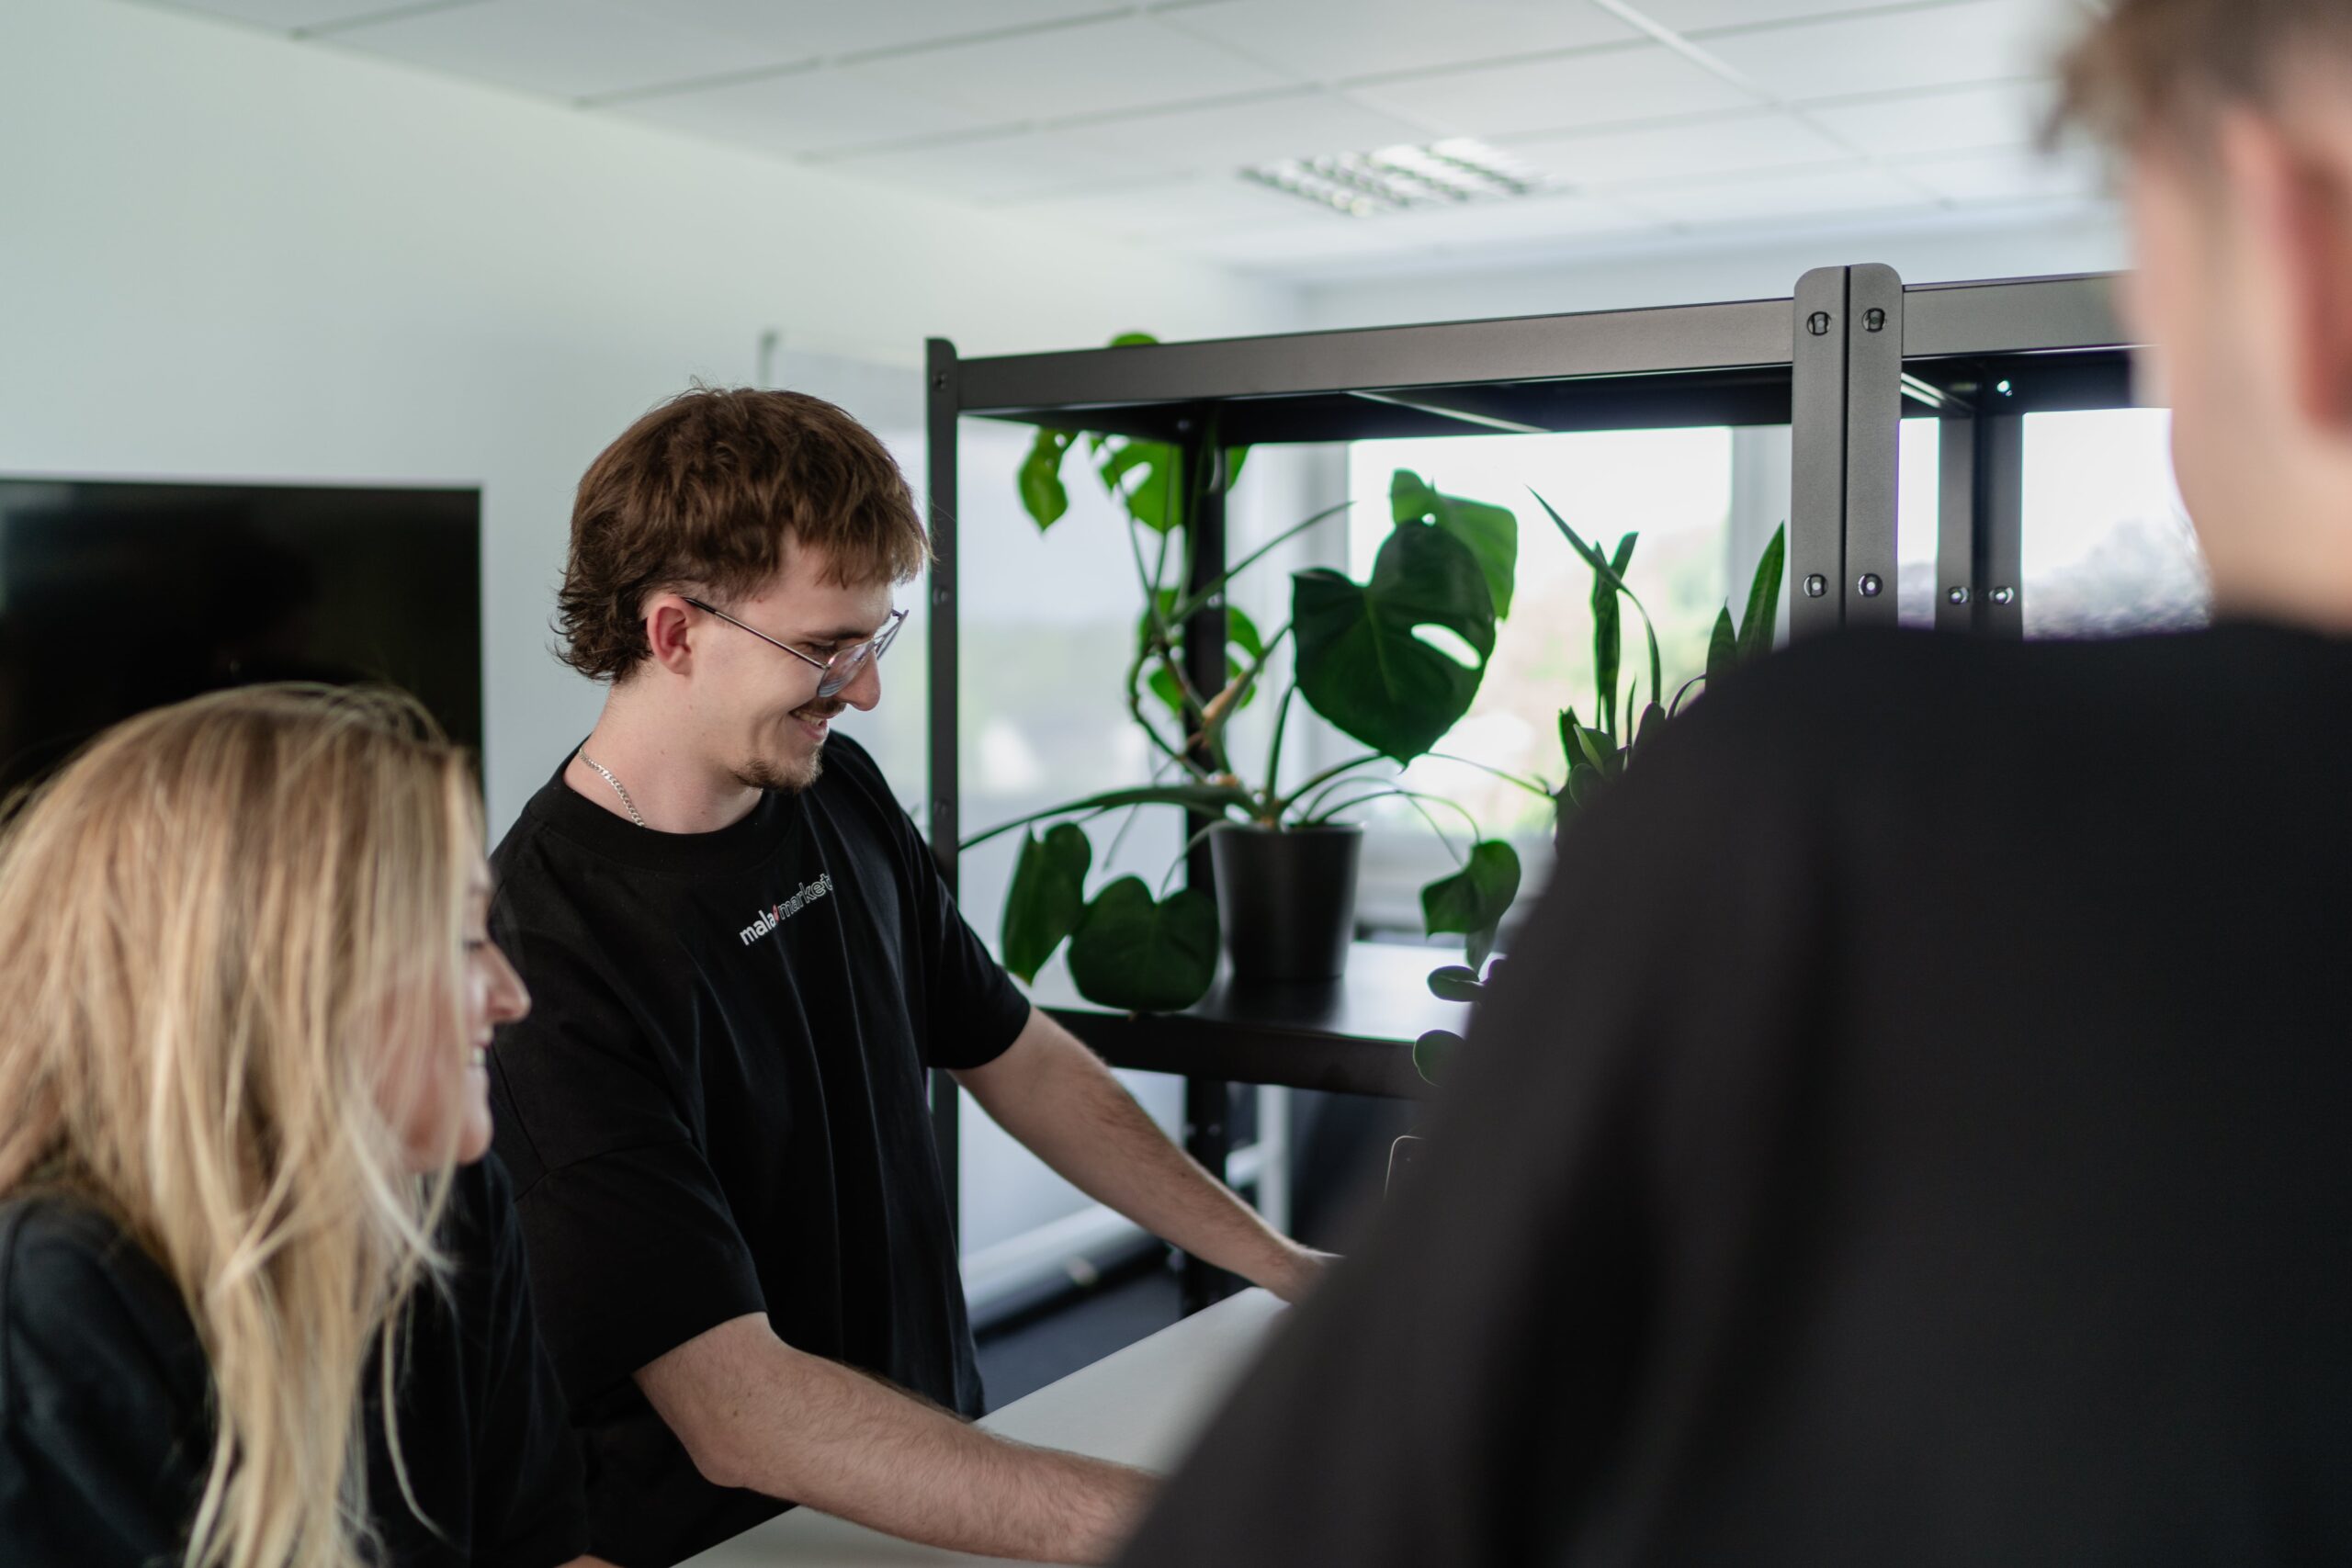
x: 1473, y: 901
x: 1043, y: 495
x: 1148, y: 477
x: 1132, y: 952
x: 1489, y: 533
x: 1756, y: 626
x: 1048, y: 894
x: 1360, y: 664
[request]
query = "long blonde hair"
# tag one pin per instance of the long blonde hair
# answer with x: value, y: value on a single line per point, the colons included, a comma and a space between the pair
x: 217, y: 920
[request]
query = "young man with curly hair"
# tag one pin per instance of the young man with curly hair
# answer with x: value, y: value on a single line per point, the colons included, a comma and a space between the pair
x: 745, y: 965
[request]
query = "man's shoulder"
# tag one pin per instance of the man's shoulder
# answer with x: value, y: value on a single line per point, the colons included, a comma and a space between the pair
x: 1897, y: 693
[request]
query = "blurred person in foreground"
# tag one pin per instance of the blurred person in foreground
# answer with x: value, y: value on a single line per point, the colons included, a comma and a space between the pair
x: 261, y: 1298
x: 1913, y: 1130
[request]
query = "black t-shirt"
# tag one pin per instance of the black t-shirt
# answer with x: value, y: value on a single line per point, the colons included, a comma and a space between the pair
x: 106, y: 1418
x: 1916, y: 1128
x: 718, y: 1107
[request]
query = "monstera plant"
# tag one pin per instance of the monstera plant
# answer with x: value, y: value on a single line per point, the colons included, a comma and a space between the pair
x: 1392, y: 662
x: 1598, y: 753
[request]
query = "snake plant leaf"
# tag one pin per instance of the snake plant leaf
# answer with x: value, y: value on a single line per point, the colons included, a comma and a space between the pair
x: 1473, y: 901
x: 1131, y: 340
x: 1607, y: 633
x: 1432, y: 1051
x: 1139, y: 954
x: 1489, y: 533
x: 1043, y: 495
x: 1723, y: 648
x: 1048, y: 895
x: 1757, y: 625
x: 1362, y: 663
x: 1456, y: 983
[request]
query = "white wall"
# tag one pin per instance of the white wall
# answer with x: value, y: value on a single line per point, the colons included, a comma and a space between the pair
x: 1761, y: 267
x: 224, y: 254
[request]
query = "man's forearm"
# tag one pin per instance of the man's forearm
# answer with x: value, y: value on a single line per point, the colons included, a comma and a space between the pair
x: 754, y: 1412
x: 1070, y: 1110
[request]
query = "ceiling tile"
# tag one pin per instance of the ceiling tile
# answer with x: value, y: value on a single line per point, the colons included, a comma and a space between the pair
x: 2008, y: 115
x: 568, y: 49
x: 1327, y: 41
x: 805, y: 111
x: 1197, y: 204
x: 1694, y: 16
x: 1764, y: 139
x: 792, y: 29
x: 1978, y: 41
x: 1225, y: 137
x: 1461, y: 235
x: 289, y: 15
x: 1765, y: 197
x: 1126, y: 63
x: 988, y: 169
x: 2018, y: 174
x: 1647, y: 81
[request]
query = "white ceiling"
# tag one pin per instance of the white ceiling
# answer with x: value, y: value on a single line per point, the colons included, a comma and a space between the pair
x: 1654, y: 119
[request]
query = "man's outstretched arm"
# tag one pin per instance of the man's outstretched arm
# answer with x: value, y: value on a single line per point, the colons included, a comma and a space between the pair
x: 1057, y: 1097
x: 753, y: 1412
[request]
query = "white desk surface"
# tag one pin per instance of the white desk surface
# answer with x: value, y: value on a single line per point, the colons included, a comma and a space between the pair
x: 1142, y: 1407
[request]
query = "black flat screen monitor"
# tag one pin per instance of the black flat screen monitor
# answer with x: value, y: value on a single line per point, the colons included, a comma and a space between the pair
x: 117, y: 597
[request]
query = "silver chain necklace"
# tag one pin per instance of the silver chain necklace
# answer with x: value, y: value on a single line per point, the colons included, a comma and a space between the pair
x: 619, y: 787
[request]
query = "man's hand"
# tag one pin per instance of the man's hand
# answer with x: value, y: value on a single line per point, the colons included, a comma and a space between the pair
x: 1057, y: 1097
x: 753, y: 1412
x: 1300, y: 1272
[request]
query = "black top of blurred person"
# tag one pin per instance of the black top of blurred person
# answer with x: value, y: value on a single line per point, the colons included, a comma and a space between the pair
x: 1912, y: 1130
x: 106, y: 1427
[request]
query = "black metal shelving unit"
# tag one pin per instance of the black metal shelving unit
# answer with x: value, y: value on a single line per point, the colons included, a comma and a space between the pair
x: 1842, y: 360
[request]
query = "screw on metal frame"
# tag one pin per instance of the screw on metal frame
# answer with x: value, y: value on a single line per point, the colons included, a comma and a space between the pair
x: 1815, y: 586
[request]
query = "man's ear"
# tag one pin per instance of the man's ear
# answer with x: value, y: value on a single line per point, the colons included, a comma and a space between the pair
x: 667, y: 618
x: 2305, y: 212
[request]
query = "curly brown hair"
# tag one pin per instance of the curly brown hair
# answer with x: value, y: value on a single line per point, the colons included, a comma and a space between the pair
x: 2162, y: 67
x: 705, y: 490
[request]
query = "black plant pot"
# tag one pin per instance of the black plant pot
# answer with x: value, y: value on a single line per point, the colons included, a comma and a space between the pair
x: 1287, y: 900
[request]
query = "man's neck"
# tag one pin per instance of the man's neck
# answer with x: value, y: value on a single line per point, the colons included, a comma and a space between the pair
x: 671, y: 787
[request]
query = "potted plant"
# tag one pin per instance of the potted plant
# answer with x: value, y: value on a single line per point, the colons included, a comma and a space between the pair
x: 1598, y: 753
x: 1285, y: 858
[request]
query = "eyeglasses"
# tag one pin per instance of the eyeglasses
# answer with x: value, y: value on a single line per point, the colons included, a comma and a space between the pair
x: 836, y: 670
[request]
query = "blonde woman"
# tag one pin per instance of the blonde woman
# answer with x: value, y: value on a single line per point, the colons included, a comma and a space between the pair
x: 262, y: 1302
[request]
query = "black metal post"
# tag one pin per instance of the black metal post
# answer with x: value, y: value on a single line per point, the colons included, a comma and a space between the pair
x: 942, y: 387
x: 1207, y: 1102
x: 1817, y: 431
x: 1873, y: 441
x: 1957, y: 587
x: 2000, y: 524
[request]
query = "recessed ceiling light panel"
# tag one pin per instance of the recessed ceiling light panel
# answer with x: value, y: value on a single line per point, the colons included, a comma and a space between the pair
x: 1403, y: 179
